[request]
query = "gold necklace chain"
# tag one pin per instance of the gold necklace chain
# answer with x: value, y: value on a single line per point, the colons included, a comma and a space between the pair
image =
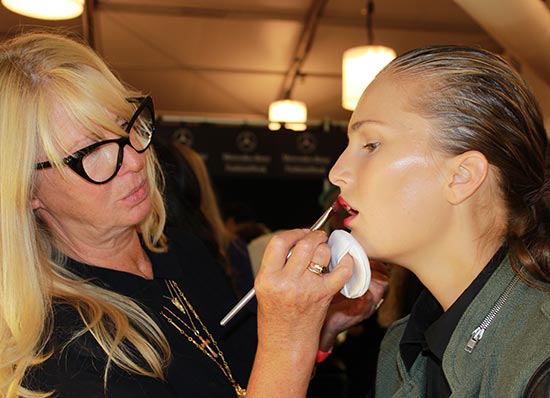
x: 207, y: 345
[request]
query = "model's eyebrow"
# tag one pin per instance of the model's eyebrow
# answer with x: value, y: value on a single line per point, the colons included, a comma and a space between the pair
x: 357, y: 125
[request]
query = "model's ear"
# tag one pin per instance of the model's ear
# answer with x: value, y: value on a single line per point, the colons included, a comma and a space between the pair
x: 467, y: 172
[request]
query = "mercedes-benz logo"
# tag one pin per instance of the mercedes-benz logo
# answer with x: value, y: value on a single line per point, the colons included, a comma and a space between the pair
x: 247, y: 141
x: 184, y: 136
x: 306, y: 143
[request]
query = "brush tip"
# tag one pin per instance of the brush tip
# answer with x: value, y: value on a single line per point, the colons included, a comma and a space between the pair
x: 336, y: 205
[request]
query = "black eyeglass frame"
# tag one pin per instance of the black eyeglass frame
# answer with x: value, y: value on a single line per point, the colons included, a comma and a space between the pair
x: 74, y: 161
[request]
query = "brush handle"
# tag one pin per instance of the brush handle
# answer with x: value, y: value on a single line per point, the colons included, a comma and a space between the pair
x: 252, y: 292
x: 244, y: 301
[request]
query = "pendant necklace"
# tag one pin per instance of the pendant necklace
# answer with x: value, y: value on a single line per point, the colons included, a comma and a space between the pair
x: 186, y: 325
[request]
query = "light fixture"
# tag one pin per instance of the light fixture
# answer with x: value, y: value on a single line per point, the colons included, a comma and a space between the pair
x: 291, y: 113
x: 361, y: 64
x: 46, y: 9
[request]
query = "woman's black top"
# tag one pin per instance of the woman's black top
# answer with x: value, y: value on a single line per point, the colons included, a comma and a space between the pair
x: 77, y: 370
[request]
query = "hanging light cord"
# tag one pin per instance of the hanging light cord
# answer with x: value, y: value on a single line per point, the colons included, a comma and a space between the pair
x: 368, y: 21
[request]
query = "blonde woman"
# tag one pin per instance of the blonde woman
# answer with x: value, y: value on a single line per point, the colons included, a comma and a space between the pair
x: 97, y: 299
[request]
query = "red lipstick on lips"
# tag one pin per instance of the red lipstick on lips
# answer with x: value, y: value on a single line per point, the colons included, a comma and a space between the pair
x: 352, y: 212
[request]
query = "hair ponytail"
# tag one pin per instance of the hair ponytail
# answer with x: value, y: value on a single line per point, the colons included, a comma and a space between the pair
x: 530, y: 243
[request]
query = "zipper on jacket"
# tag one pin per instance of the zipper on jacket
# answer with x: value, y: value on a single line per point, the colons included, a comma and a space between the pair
x: 477, y: 334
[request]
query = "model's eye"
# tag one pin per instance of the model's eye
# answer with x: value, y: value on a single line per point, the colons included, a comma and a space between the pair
x: 371, y: 146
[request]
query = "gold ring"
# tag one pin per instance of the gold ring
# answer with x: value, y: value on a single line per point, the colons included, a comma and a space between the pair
x: 317, y: 269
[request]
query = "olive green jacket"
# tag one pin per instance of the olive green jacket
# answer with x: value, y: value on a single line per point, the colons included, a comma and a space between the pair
x: 513, y: 346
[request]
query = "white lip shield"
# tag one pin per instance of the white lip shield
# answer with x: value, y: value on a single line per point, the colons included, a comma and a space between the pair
x: 342, y: 243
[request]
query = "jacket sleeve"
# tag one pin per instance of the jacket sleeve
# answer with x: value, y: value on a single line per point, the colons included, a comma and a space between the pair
x: 539, y: 384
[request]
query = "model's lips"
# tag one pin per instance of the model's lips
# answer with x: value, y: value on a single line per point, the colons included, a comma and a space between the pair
x: 346, y: 206
x: 351, y: 211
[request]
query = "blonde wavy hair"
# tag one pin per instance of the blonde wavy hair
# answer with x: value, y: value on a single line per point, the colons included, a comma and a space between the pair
x: 40, y: 72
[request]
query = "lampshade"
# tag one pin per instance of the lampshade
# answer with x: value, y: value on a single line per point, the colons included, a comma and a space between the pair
x: 293, y: 114
x: 46, y: 9
x: 359, y: 67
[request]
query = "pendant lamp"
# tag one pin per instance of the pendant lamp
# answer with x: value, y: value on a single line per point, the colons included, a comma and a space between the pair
x: 361, y: 64
x: 291, y: 113
x: 46, y: 9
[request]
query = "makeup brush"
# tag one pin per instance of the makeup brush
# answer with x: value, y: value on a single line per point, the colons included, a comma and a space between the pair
x: 252, y: 292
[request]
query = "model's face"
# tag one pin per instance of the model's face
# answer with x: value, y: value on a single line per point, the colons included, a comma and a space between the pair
x: 391, y: 175
x: 65, y: 200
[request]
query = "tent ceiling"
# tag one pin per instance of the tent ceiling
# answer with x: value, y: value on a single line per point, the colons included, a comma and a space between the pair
x: 219, y: 58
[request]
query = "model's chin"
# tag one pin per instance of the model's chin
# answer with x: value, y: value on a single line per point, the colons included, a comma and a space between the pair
x: 348, y: 221
x: 359, y: 237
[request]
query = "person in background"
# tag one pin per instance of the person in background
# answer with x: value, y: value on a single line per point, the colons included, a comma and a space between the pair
x: 256, y: 249
x: 444, y: 174
x: 193, y: 206
x: 98, y: 298
x: 240, y: 220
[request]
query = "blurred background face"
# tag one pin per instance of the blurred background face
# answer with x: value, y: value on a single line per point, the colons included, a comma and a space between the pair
x: 66, y: 199
x: 391, y: 174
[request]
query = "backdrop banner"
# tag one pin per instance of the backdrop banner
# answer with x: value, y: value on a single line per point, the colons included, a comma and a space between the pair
x: 256, y: 151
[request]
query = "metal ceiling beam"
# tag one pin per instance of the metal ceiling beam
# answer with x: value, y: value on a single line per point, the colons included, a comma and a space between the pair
x: 303, y: 46
x: 200, y: 12
x: 277, y: 14
x: 88, y: 25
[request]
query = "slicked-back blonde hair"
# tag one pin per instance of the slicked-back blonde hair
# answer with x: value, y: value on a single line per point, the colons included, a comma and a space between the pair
x: 478, y: 101
x: 40, y: 72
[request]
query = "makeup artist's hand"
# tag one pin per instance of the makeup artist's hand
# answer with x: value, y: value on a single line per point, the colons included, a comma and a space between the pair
x: 343, y: 312
x: 292, y: 305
